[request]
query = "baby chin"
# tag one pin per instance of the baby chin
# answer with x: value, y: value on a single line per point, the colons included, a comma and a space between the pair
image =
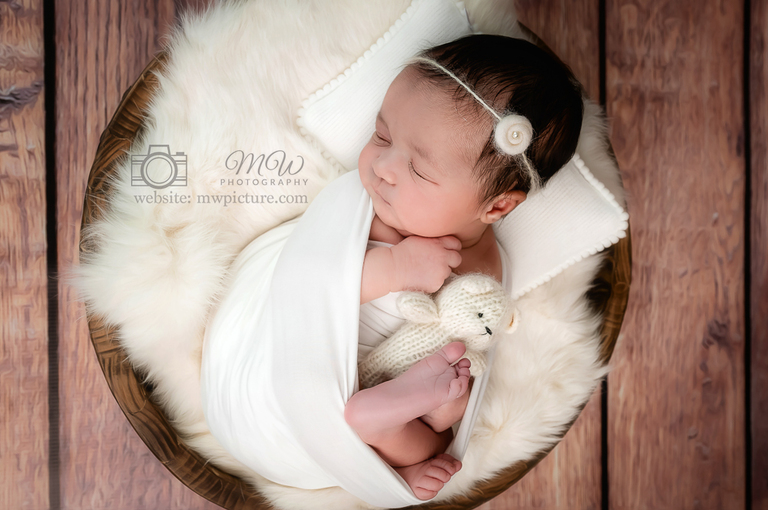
x: 383, y: 210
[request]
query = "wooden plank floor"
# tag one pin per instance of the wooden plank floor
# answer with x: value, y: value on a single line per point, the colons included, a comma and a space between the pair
x: 23, y: 273
x: 101, y: 49
x: 674, y: 82
x: 758, y: 242
x: 684, y: 420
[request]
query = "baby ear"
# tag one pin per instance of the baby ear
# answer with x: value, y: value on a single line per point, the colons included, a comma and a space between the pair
x: 512, y: 325
x: 417, y: 307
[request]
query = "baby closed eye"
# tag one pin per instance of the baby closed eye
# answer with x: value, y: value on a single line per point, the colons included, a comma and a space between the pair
x: 410, y: 165
x: 377, y: 136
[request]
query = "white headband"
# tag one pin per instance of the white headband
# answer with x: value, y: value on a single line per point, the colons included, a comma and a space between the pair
x: 512, y: 134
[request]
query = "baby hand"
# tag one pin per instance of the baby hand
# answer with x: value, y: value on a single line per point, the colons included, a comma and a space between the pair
x: 423, y: 263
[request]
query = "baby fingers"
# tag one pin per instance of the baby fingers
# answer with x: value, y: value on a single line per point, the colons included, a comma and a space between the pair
x: 451, y: 242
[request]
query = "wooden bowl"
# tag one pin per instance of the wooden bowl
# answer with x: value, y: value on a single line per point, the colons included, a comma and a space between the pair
x: 608, y: 295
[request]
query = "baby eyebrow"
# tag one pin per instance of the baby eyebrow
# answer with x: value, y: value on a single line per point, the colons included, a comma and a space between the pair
x: 423, y: 153
x: 380, y: 118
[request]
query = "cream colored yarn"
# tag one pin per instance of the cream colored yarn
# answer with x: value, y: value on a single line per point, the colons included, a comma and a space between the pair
x: 471, y: 308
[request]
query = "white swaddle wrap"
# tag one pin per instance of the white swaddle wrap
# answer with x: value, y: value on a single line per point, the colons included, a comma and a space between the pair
x: 280, y: 355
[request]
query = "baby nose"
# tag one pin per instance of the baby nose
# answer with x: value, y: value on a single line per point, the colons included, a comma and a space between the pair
x: 384, y: 169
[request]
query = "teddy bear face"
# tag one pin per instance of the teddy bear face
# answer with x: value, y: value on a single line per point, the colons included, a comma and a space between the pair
x: 475, y: 322
x: 473, y: 309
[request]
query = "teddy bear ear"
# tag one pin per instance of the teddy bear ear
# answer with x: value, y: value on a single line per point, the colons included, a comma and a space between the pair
x: 477, y: 284
x: 417, y: 307
x: 513, y: 322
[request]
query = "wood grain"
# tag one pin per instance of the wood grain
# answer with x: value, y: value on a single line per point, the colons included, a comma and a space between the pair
x: 570, y: 476
x: 102, y: 46
x: 23, y: 274
x: 24, y: 434
x: 758, y: 272
x: 676, y: 398
x: 570, y: 29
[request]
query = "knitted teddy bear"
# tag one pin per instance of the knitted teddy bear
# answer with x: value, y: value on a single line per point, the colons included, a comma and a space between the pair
x: 470, y: 308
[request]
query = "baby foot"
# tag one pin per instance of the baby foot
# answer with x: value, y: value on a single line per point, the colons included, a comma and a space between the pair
x: 424, y: 387
x: 427, y: 478
x: 446, y: 415
x: 437, y: 379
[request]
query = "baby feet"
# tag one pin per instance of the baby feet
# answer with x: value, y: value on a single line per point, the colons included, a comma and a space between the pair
x: 436, y: 380
x: 427, y: 478
x: 386, y: 417
x: 432, y: 382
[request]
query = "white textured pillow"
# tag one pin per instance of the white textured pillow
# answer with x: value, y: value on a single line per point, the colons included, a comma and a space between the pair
x: 341, y: 116
x: 572, y: 217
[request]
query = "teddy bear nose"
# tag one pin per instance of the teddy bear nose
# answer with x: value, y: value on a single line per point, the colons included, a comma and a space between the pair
x: 488, y: 330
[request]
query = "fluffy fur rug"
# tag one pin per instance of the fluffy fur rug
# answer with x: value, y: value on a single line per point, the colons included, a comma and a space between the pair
x: 236, y: 78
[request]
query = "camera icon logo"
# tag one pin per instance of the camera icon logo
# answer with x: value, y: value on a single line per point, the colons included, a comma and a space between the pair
x: 158, y: 168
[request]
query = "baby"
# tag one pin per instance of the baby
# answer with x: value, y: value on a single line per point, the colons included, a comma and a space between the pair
x: 464, y: 133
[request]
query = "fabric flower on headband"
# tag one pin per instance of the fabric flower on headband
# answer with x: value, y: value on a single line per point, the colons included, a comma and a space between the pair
x: 513, y: 134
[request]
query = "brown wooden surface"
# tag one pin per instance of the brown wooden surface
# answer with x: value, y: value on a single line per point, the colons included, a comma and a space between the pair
x: 676, y: 435
x: 758, y: 273
x: 102, y: 46
x: 24, y: 301
x: 570, y: 29
x: 676, y: 416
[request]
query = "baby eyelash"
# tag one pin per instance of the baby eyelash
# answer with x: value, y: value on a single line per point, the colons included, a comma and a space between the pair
x: 410, y: 165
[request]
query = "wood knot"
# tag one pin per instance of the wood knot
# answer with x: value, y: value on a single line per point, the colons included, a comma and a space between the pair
x: 13, y: 100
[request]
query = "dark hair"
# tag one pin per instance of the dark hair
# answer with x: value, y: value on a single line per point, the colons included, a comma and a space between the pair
x: 512, y: 76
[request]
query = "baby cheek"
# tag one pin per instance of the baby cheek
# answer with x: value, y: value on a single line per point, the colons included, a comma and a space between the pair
x: 363, y: 158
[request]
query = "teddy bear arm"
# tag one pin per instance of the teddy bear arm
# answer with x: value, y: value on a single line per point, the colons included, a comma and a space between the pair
x: 384, y: 362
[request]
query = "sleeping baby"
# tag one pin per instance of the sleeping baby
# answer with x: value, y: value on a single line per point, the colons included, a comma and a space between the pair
x: 464, y: 133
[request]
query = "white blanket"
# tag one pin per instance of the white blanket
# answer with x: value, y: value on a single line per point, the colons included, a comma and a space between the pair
x: 280, y: 357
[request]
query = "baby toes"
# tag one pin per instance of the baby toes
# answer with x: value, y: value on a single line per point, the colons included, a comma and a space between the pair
x: 428, y: 478
x: 427, y: 487
x: 452, y: 352
x: 424, y: 494
x: 462, y: 367
x: 430, y: 483
x: 438, y: 473
x: 447, y: 462
x: 458, y: 386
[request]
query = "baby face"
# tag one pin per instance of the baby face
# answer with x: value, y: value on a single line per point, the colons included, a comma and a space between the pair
x: 416, y: 166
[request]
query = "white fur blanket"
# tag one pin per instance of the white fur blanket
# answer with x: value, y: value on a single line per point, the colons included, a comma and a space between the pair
x: 161, y: 267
